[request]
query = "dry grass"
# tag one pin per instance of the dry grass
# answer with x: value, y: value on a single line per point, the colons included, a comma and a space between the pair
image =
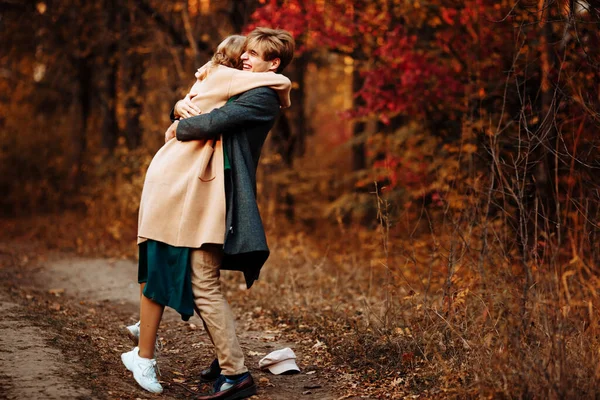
x: 418, y: 314
x: 424, y: 320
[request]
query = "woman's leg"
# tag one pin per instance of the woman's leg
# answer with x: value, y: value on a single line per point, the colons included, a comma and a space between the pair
x: 150, y: 316
x: 142, y: 286
x: 141, y: 359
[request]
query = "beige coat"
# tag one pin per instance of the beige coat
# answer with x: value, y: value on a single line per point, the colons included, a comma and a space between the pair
x: 183, y: 199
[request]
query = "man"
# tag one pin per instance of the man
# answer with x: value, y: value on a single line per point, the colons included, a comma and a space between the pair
x: 244, y: 124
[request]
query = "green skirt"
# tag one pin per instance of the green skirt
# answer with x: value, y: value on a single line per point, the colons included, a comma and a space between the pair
x: 166, y: 271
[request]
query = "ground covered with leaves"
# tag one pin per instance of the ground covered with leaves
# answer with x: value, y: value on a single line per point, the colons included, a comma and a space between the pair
x: 84, y: 320
x: 367, y: 320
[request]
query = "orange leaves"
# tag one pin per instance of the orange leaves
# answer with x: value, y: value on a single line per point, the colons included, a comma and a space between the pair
x: 469, y: 148
x: 41, y: 7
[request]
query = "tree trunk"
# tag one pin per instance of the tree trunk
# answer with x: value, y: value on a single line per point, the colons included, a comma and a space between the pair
x: 108, y: 100
x: 288, y: 136
x: 239, y: 13
x: 133, y: 78
x: 108, y: 81
x: 83, y: 92
x: 358, y: 148
x: 546, y: 132
x: 133, y: 104
x: 300, y: 128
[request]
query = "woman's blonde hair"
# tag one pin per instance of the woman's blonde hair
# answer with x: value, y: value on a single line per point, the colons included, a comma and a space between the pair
x: 229, y: 53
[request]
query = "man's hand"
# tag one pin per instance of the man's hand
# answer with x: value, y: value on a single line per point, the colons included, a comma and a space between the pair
x: 171, y: 131
x: 184, y: 108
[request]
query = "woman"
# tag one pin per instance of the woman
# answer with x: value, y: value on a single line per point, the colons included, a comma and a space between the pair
x: 183, y: 205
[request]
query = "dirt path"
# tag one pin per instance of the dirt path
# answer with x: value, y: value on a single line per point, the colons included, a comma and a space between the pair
x: 30, y: 368
x: 61, y: 336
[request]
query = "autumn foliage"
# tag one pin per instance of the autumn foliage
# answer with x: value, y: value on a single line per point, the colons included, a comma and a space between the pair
x: 436, y: 178
x: 483, y: 164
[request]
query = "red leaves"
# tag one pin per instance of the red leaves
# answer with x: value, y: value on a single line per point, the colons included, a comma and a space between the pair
x: 405, y: 79
x: 335, y: 25
x: 448, y: 15
x: 408, y: 173
x: 408, y: 357
x: 400, y: 77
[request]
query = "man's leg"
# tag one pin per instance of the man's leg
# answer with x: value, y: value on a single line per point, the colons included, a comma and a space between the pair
x: 214, y: 309
x: 204, y: 324
x: 214, y: 370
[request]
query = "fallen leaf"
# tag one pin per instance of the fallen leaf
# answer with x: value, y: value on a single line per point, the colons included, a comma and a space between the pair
x: 319, y: 345
x: 264, y: 381
x: 56, y: 292
x: 314, y: 386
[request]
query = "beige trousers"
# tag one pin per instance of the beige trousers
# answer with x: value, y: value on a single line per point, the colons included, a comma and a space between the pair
x: 214, y: 309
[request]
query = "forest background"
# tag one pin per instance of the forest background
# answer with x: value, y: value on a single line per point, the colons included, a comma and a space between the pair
x: 437, y: 173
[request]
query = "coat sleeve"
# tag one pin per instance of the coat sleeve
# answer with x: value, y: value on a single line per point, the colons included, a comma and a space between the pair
x: 242, y: 81
x: 254, y: 107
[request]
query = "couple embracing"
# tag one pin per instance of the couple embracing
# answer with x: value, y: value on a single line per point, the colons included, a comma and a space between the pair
x: 198, y: 212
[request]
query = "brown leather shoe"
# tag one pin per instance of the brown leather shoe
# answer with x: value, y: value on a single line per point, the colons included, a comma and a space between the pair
x: 241, y: 389
x: 212, y: 372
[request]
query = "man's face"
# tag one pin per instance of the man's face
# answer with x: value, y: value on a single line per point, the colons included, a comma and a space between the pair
x: 253, y: 61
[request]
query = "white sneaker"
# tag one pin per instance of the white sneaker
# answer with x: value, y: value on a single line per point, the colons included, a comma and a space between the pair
x: 144, y: 370
x: 133, y: 331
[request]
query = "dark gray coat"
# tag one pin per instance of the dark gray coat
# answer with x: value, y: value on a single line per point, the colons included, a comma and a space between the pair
x: 244, y: 124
